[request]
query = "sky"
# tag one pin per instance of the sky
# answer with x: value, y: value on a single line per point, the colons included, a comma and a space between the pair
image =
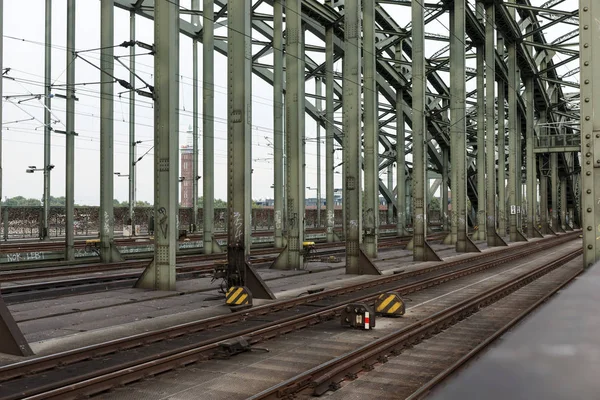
x: 22, y: 134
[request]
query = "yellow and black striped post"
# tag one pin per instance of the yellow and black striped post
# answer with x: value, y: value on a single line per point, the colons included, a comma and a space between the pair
x: 389, y: 305
x: 239, y: 297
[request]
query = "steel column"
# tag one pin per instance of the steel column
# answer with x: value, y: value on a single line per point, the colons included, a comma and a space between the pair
x: 400, y: 153
x: 371, y: 133
x: 543, y: 197
x: 444, y: 188
x: 493, y: 239
x: 70, y: 134
x: 239, y: 137
x: 292, y: 257
x: 47, y: 118
x: 329, y: 132
x: 531, y: 161
x: 208, y: 125
x: 390, y: 186
x: 457, y: 115
x: 480, y: 234
x: 554, y: 183
x: 356, y: 261
x: 278, y: 120
x: 319, y: 109
x: 421, y: 249
x: 239, y: 148
x: 458, y: 127
x: 108, y: 252
x: 160, y: 274
x: 563, y: 203
x: 514, y: 174
x: 501, y: 148
x: 589, y: 47
x: 132, y: 142
x: 195, y: 106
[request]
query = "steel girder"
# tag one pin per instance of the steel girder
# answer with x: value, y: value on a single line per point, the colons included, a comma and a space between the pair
x: 316, y: 15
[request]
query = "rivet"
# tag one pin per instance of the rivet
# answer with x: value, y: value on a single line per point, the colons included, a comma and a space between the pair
x: 589, y: 191
x: 587, y: 118
x: 588, y: 173
x: 588, y: 162
x: 587, y: 81
x: 587, y: 99
x: 589, y: 228
x: 590, y: 246
x: 587, y: 145
x: 589, y: 209
x: 588, y: 154
x: 586, y: 27
x: 597, y: 135
x: 588, y: 136
x: 586, y: 63
x: 586, y: 45
x: 585, y: 9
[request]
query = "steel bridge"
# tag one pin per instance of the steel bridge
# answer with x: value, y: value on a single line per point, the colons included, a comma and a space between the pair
x: 490, y: 109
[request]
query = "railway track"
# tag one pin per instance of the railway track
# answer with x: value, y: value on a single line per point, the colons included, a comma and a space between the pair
x: 58, y: 245
x: 257, y: 256
x: 461, y: 316
x: 100, y: 367
x: 188, y: 268
x: 10, y: 272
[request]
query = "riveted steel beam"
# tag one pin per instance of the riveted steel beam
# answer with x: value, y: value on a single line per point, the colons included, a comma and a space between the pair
x: 70, y: 135
x: 421, y: 249
x: 458, y: 129
x: 239, y: 150
x: 480, y: 234
x: 292, y: 256
x: 45, y: 234
x: 160, y: 274
x: 493, y: 239
x: 108, y: 250
x: 371, y: 129
x: 208, y: 127
x: 278, y: 120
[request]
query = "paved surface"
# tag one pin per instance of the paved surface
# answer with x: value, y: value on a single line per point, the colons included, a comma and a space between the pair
x: 243, y: 375
x: 74, y: 321
x: 554, y: 354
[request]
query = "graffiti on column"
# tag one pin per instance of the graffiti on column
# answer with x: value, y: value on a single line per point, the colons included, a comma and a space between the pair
x: 163, y: 221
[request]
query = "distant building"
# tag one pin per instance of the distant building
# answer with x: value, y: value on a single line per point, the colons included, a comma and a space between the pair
x: 187, y: 172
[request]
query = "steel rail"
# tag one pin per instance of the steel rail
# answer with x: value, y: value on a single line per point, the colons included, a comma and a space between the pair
x: 328, y: 375
x: 426, y: 388
x: 323, y: 249
x: 132, y: 370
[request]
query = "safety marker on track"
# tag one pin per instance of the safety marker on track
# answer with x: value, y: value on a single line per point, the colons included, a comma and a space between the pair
x: 389, y: 305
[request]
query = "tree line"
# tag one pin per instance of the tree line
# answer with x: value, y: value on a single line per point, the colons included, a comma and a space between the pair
x: 20, y: 201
